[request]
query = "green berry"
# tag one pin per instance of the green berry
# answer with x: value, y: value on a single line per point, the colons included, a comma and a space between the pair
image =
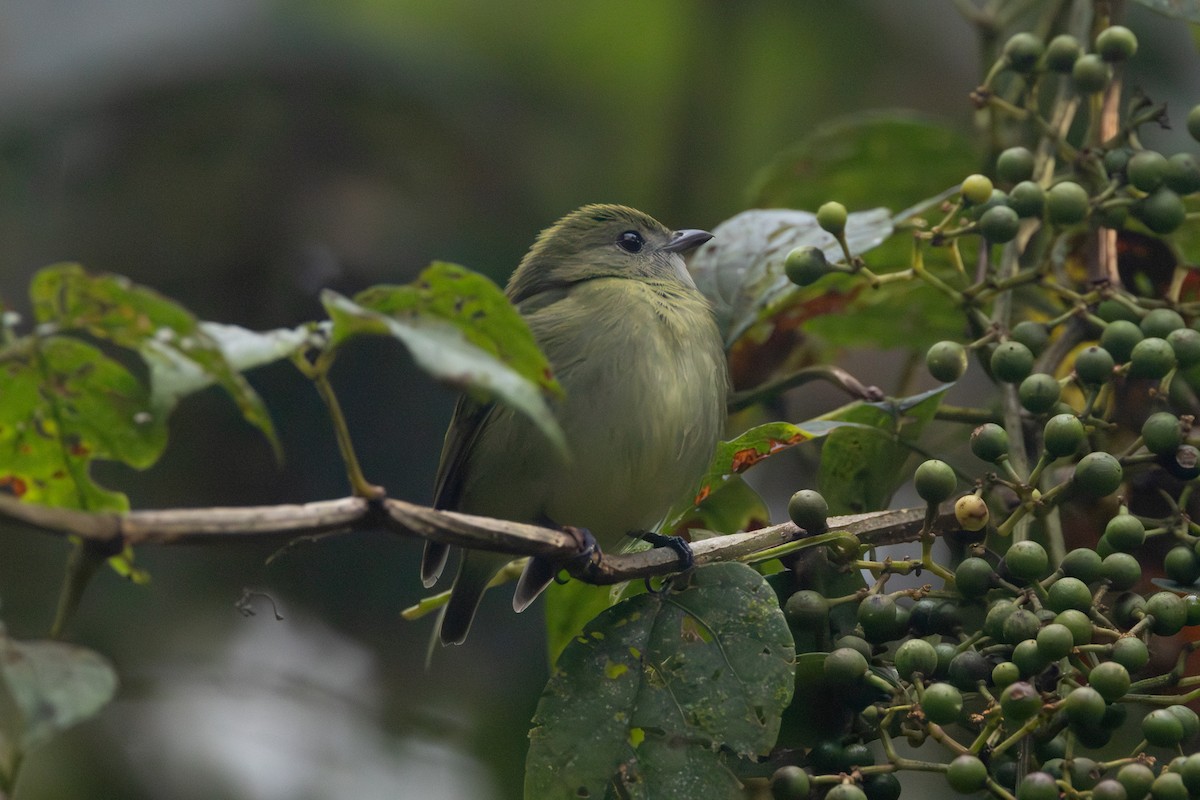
x: 1094, y: 365
x: 1190, y: 720
x: 1066, y: 203
x: 845, y: 791
x: 1146, y: 170
x: 974, y: 577
x: 935, y: 481
x: 1067, y: 593
x: 1090, y: 74
x: 1111, y: 310
x: 1078, y: 623
x: 1037, y: 786
x: 966, y: 774
x: 1110, y: 679
x: 1186, y: 344
x: 879, y: 618
x: 915, y: 656
x: 1098, y: 474
x: 946, y: 361
x: 1023, y: 51
x: 1062, y: 435
x: 1084, y: 706
x: 1182, y: 565
x: 1125, y: 532
x: 1161, y: 322
x: 790, y: 783
x: 1109, y: 789
x: 967, y: 669
x: 1082, y: 564
x: 855, y: 643
x: 1005, y: 674
x: 1062, y: 52
x: 1119, y: 339
x: 989, y: 442
x: 999, y: 224
x: 1027, y: 199
x: 942, y: 703
x: 807, y: 610
x: 1161, y: 727
x: 1020, y: 626
x: 1193, y: 122
x: 1163, y: 434
x: 1039, y: 393
x: 1162, y: 211
x: 1026, y: 560
x: 1028, y: 658
x: 845, y: 666
x: 1014, y: 165
x: 1136, y: 778
x: 806, y: 265
x: 1116, y: 160
x: 976, y: 189
x: 1112, y: 215
x: 1168, y: 786
x: 831, y: 217
x: 881, y: 786
x: 1182, y: 174
x: 1055, y: 641
x: 1121, y: 570
x: 1131, y: 653
x: 1169, y: 612
x: 1011, y: 362
x: 1151, y: 358
x: 1031, y: 334
x: 1192, y: 603
x: 1116, y: 43
x: 808, y: 510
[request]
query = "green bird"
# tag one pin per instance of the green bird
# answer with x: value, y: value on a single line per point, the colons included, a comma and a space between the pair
x: 636, y: 349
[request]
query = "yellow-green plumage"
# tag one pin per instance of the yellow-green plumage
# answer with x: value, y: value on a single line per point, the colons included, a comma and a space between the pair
x: 638, y: 354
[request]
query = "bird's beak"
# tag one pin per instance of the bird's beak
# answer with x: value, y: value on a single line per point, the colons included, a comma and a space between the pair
x: 682, y: 241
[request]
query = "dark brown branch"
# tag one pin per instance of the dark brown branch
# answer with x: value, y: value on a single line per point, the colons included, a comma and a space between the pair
x: 200, y: 525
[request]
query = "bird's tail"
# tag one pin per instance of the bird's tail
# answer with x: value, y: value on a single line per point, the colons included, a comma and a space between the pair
x: 477, y: 569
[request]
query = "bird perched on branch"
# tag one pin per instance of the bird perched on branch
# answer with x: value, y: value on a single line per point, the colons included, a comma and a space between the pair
x: 636, y: 349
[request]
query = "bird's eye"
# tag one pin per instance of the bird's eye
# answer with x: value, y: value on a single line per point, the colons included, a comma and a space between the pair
x: 630, y: 241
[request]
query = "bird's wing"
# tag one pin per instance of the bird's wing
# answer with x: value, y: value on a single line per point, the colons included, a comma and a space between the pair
x: 470, y: 417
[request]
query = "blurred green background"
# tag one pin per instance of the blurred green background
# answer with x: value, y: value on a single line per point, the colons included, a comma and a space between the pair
x: 239, y: 155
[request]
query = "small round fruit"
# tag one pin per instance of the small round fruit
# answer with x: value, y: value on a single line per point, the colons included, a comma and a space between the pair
x: 855, y: 755
x: 946, y: 361
x: 1062, y: 52
x: 1039, y: 393
x: 854, y: 643
x: 1078, y: 623
x: 1161, y: 727
x: 974, y: 577
x: 1193, y: 122
x: 1037, y: 786
x: 1160, y: 322
x: 1116, y: 160
x: 989, y: 442
x: 1182, y: 174
x: 1163, y: 434
x: 1094, y: 365
x: 1028, y: 658
x: 845, y: 791
x: 997, y: 613
x: 1110, y: 679
x: 1014, y: 165
x: 1055, y: 641
x: 1162, y: 211
x: 1121, y: 570
x: 967, y: 669
x: 1186, y: 344
x: 935, y: 481
x: 1062, y: 435
x: 966, y: 774
x: 1026, y: 560
x: 1020, y: 626
x: 1182, y: 565
x: 1109, y: 789
x: 808, y: 510
x: 1084, y: 706
x: 881, y: 786
x: 831, y: 217
x: 1005, y: 674
x: 1098, y: 474
x: 1130, y: 652
x: 877, y: 614
x: 1125, y: 532
x: 1066, y: 203
x: 1028, y: 199
x: 1168, y: 786
x: 1090, y: 74
x: 1119, y: 339
x: 1151, y: 358
x: 942, y: 703
x: 1020, y: 701
x: 976, y: 189
x: 1136, y: 778
x: 1116, y: 43
x: 1190, y: 720
x: 1128, y: 610
x: 1190, y: 772
x: 790, y: 783
x: 1192, y: 602
x: 845, y: 666
x: 1083, y: 564
x: 806, y: 265
x: 999, y: 224
x: 972, y: 513
x: 1011, y: 362
x: 1183, y: 464
x: 1031, y: 334
x: 915, y: 656
x: 1067, y: 593
x: 1169, y: 612
x: 1146, y: 169
x: 1022, y: 51
x: 807, y: 610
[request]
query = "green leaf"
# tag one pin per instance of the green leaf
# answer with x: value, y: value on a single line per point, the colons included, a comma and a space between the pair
x: 112, y: 308
x: 662, y: 691
x: 65, y: 405
x: 45, y: 688
x: 461, y: 329
x: 741, y: 270
x: 862, y: 465
x: 569, y: 607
